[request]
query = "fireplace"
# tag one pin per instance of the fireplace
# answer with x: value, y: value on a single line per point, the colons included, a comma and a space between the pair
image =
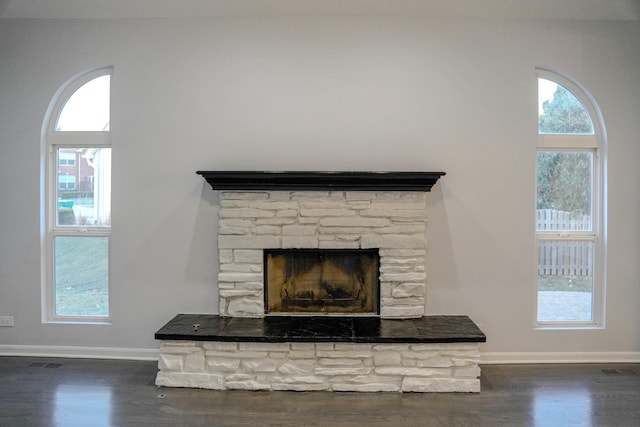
x: 322, y: 286
x: 329, y: 281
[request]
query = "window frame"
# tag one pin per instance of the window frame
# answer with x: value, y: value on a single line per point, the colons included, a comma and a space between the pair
x: 52, y: 140
x: 595, y: 143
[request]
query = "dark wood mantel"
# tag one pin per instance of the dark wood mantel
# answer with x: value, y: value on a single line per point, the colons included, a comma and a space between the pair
x: 321, y: 181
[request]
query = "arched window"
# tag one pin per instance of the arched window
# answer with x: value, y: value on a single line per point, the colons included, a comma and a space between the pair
x: 570, y: 205
x: 77, y: 199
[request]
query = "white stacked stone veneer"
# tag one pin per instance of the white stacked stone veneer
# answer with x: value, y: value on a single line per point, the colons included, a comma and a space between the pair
x: 320, y: 366
x: 393, y: 222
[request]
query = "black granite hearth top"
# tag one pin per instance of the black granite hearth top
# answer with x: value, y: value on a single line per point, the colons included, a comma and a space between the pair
x: 428, y: 329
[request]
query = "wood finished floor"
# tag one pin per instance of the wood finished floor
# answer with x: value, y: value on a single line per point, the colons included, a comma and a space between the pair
x: 88, y: 393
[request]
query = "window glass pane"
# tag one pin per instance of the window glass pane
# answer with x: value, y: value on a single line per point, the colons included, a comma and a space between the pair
x: 88, y: 108
x: 84, y: 187
x: 564, y: 190
x: 81, y: 276
x: 565, y: 280
x: 560, y: 112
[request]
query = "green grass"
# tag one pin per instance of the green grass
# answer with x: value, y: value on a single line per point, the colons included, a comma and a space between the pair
x: 565, y: 283
x: 82, y: 276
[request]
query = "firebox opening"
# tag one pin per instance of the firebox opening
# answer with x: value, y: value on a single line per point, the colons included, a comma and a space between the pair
x: 322, y: 281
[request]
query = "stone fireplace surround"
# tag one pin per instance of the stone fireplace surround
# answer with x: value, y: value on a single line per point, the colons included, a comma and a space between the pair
x: 318, y: 210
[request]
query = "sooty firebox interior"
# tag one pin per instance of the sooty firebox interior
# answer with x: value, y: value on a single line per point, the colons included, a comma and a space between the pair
x: 330, y: 281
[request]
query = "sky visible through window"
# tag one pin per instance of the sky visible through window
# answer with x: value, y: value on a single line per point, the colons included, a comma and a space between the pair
x: 88, y: 108
x: 546, y: 88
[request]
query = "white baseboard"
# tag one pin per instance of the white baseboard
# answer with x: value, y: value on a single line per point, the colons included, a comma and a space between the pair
x: 153, y: 354
x: 560, y: 357
x: 80, y: 352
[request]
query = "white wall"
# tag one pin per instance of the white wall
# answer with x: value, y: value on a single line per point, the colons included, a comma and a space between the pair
x: 332, y: 93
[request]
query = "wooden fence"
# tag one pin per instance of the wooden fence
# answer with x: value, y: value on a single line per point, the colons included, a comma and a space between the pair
x: 564, y: 257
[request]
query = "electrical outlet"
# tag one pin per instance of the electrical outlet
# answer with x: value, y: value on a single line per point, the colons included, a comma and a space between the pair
x: 6, y: 320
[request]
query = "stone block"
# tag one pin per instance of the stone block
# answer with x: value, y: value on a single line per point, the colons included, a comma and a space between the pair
x: 246, y: 308
x: 235, y: 222
x: 398, y: 253
x: 402, y: 229
x: 387, y: 358
x: 360, y: 195
x: 246, y: 213
x: 194, y: 362
x: 372, y: 387
x: 280, y: 220
x: 352, y: 231
x: 225, y: 256
x: 299, y: 242
x: 472, y: 371
x: 302, y: 354
x: 321, y: 213
x: 228, y: 231
x: 299, y: 379
x: 347, y: 346
x: 344, y: 354
x: 300, y: 387
x: 233, y: 276
x: 222, y: 365
x: 248, y: 242
x: 248, y: 255
x: 237, y: 267
x: 395, y: 214
x: 297, y: 368
x: 331, y: 371
x: 234, y: 293
x: 302, y: 346
x: 472, y: 347
x: 339, y: 362
x: 289, y: 213
x: 401, y: 312
x: 269, y: 230
x: 274, y: 205
x: 189, y: 347
x: 391, y: 347
x: 401, y: 195
x: 237, y: 355
x: 243, y: 195
x: 259, y: 346
x: 414, y: 372
x: 230, y: 203
x: 413, y: 301
x: 171, y: 362
x: 247, y: 385
x: 265, y: 365
x: 353, y: 221
x: 397, y: 241
x: 339, y: 245
x: 278, y: 354
x: 405, y: 290
x: 440, y: 385
x: 299, y: 230
x: 403, y: 277
x: 256, y: 286
x: 192, y: 380
x: 220, y: 346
